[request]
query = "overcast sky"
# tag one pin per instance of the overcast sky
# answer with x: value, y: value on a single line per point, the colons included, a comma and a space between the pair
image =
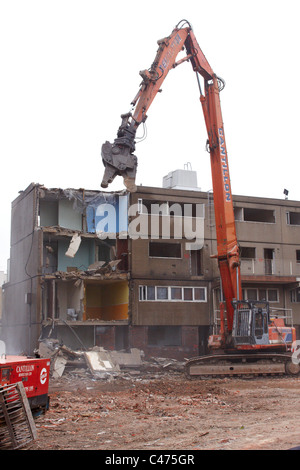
x: 70, y: 68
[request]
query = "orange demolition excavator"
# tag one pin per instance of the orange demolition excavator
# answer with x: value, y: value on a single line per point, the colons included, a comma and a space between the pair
x: 249, y: 340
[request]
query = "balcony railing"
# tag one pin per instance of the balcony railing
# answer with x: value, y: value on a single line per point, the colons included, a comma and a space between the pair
x: 266, y: 267
x: 284, y: 313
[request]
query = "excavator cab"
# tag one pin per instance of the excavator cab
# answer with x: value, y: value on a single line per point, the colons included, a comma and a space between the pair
x: 250, y: 323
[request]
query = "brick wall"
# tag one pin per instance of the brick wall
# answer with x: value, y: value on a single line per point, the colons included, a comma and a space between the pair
x: 138, y: 338
x: 188, y: 348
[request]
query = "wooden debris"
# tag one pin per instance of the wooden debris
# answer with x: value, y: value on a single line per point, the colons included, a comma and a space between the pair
x: 17, y: 427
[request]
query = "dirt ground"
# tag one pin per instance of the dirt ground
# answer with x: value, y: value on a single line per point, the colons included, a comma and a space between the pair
x: 165, y: 411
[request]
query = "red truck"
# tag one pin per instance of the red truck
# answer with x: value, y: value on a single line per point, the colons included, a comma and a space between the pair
x: 33, y: 373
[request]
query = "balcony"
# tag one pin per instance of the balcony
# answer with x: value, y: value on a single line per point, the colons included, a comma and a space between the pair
x: 270, y: 269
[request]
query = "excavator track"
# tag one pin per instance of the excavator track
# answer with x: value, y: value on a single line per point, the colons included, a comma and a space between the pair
x: 241, y: 365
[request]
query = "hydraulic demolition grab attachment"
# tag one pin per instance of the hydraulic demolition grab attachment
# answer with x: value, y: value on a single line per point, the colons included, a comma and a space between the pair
x: 118, y: 157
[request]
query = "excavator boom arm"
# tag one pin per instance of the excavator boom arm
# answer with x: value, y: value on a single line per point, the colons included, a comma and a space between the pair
x: 153, y: 78
x: 118, y: 158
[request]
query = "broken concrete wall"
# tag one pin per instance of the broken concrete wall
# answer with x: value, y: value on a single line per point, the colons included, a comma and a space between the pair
x: 21, y: 303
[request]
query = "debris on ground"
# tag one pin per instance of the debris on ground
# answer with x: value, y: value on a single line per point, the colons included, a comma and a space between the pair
x: 118, y: 400
x: 160, y: 409
x: 101, y: 363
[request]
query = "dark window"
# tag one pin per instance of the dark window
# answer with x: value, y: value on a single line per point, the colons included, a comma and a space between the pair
x: 121, y: 337
x: 259, y: 215
x: 252, y: 294
x: 269, y: 254
x: 293, y: 218
x: 188, y: 293
x: 196, y: 262
x: 262, y: 294
x: 272, y: 295
x: 164, y: 250
x: 162, y: 293
x: 150, y: 293
x: 199, y: 293
x: 164, y: 336
x: 176, y: 293
x: 295, y: 295
x: 247, y: 252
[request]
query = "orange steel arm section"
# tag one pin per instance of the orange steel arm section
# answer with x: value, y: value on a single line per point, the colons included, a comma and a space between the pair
x: 228, y: 250
x: 118, y: 157
x: 153, y: 78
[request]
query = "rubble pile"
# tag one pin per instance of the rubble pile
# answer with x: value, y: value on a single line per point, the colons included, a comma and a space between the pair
x: 99, y: 270
x: 101, y: 363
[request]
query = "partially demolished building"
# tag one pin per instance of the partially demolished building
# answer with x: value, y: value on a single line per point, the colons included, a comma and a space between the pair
x: 134, y: 270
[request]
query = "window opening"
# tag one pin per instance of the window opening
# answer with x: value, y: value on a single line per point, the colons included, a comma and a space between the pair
x: 293, y: 218
x: 248, y: 252
x: 164, y: 250
x: 259, y: 215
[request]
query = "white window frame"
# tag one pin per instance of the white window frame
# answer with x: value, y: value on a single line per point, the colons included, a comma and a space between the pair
x: 262, y: 288
x: 143, y: 294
